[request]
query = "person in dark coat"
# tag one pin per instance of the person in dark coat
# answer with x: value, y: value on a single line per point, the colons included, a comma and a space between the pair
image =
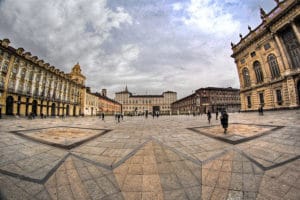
x: 224, y: 120
x: 209, y: 116
x: 217, y: 114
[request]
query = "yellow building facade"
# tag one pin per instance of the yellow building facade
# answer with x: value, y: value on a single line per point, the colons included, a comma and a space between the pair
x: 268, y: 60
x: 107, y: 105
x: 91, y: 107
x: 31, y: 86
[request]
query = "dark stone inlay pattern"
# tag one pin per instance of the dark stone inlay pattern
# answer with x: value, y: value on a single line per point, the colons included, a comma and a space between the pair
x: 235, y: 138
x: 22, y: 133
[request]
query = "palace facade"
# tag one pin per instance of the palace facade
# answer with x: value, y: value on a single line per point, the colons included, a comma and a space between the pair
x: 140, y: 104
x: 29, y: 85
x: 107, y: 105
x: 209, y: 98
x: 268, y: 59
x: 91, y: 107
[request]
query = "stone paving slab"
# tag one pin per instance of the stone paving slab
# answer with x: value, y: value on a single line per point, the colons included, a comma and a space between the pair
x: 231, y: 176
x: 275, y: 149
x: 26, y: 159
x: 153, y: 159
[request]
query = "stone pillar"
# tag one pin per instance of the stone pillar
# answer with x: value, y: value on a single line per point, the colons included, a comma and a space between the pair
x: 283, y: 55
x: 291, y: 91
x: 296, y: 31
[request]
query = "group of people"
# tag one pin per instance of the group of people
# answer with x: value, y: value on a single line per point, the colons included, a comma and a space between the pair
x: 224, y: 119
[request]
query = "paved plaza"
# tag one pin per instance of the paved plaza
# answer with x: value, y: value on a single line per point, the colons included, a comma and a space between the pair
x: 170, y: 157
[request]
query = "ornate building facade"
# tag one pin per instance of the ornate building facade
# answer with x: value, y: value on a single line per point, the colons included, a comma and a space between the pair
x: 91, y: 107
x: 209, y: 98
x: 106, y: 105
x: 29, y: 85
x: 140, y: 104
x: 268, y: 59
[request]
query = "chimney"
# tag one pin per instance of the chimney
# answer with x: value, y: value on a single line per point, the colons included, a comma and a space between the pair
x: 104, y: 91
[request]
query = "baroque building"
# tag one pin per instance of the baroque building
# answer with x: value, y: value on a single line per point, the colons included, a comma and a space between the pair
x: 91, y: 106
x: 140, y: 104
x: 107, y: 105
x: 29, y: 85
x: 268, y: 59
x: 209, y: 98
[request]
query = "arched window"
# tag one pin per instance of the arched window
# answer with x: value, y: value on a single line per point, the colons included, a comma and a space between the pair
x: 258, y: 72
x: 246, y: 77
x: 273, y: 66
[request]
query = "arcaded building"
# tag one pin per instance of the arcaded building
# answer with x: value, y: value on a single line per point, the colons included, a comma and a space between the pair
x: 268, y: 59
x: 29, y: 85
x: 140, y: 104
x: 208, y: 99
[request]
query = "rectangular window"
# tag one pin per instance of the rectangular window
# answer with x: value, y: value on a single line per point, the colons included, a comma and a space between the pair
x: 279, y: 97
x: 267, y: 46
x: 261, y: 99
x: 253, y: 54
x: 249, y: 101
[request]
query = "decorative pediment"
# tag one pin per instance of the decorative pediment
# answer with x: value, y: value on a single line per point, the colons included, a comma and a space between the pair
x: 5, y: 42
x: 41, y: 62
x: 34, y: 59
x: 20, y: 51
x: 27, y: 55
x: 46, y: 65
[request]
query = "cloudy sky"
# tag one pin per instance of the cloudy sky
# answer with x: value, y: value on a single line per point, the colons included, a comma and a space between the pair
x: 150, y: 45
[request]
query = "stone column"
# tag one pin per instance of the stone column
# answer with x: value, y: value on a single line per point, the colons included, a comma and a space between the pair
x: 283, y: 54
x: 296, y: 31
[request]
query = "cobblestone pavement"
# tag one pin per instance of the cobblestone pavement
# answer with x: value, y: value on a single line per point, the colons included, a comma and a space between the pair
x: 170, y: 157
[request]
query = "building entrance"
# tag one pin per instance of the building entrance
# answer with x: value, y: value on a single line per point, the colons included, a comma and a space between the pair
x: 67, y: 110
x: 9, y: 105
x: 53, y: 109
x: 34, y: 107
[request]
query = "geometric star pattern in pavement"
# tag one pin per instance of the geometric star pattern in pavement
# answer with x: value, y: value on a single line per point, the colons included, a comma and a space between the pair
x: 152, y: 159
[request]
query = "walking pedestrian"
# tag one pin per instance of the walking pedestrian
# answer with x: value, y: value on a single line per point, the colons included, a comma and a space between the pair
x: 209, y: 116
x: 217, y: 114
x: 224, y: 120
x: 102, y: 115
x: 119, y: 116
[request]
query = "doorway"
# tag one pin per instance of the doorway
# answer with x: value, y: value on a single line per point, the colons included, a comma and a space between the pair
x: 67, y: 110
x: 53, y: 109
x: 34, y: 107
x: 9, y: 105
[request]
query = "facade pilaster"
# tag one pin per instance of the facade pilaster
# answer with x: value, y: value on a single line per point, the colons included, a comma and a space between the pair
x: 296, y: 30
